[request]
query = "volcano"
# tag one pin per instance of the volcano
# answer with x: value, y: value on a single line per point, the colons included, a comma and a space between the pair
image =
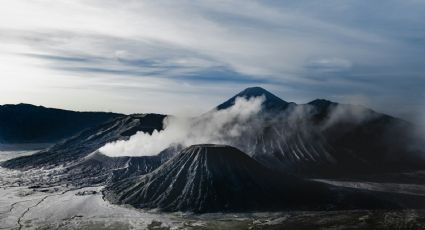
x: 98, y: 169
x: 75, y: 148
x: 325, y: 138
x: 271, y: 102
x: 216, y: 178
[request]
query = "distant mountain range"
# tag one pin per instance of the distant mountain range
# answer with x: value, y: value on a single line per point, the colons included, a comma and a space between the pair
x: 318, y: 138
x: 25, y: 123
x: 282, y: 144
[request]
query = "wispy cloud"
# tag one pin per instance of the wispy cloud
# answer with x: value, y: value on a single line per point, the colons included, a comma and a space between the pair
x: 301, y: 50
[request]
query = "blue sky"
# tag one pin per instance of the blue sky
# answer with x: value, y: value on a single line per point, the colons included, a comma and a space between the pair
x: 187, y: 56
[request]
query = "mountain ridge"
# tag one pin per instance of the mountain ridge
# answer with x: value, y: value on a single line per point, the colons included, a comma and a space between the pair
x: 79, y: 146
x: 271, y: 102
x: 26, y: 123
x: 318, y: 138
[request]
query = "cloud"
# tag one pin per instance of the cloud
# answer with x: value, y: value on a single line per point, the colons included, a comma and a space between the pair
x: 333, y: 49
x: 214, y: 127
x: 350, y: 114
x: 329, y: 64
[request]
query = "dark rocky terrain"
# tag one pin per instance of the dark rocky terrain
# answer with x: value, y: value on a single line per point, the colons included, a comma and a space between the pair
x: 98, y: 169
x: 324, y: 138
x: 79, y: 146
x: 214, y: 178
x: 25, y: 123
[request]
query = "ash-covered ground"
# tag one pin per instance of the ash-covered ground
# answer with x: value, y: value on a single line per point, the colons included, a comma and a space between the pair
x: 23, y: 206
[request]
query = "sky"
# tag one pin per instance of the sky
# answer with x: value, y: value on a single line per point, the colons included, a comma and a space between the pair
x: 185, y: 57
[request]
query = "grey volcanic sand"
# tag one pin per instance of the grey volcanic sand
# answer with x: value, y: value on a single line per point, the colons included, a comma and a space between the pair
x: 63, y: 207
x: 66, y: 210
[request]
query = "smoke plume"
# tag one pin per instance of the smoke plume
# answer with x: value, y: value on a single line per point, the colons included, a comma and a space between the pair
x: 215, y: 127
x: 298, y: 132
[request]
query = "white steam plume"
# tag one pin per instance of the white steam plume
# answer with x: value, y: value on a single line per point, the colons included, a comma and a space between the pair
x: 349, y: 113
x: 215, y: 127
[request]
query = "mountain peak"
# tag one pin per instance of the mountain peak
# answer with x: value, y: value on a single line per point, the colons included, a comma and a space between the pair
x: 256, y: 90
x: 323, y: 103
x: 204, y: 178
x: 272, y: 102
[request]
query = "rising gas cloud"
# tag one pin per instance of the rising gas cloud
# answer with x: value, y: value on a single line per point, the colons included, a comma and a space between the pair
x: 246, y: 126
x: 214, y: 127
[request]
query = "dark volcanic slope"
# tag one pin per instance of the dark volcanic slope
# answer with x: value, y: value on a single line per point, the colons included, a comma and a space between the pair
x: 272, y: 102
x: 211, y: 178
x: 24, y: 123
x: 88, y: 141
x: 318, y: 144
x: 324, y: 138
x: 97, y: 168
